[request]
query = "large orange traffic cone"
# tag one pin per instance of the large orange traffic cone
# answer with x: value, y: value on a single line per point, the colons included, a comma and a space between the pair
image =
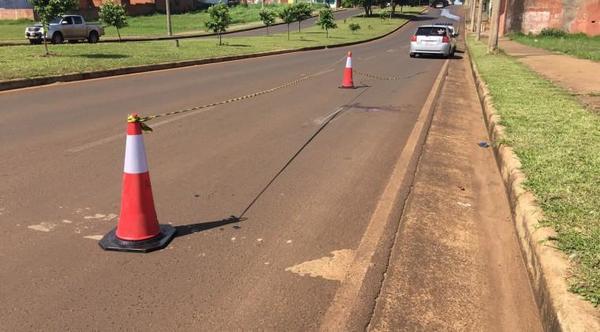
x: 138, y: 229
x: 347, y: 82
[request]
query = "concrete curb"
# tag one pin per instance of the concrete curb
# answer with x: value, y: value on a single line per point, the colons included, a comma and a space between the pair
x: 24, y: 83
x: 548, y: 268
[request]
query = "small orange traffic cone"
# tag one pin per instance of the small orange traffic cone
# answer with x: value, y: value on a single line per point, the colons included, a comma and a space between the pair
x: 138, y: 229
x: 347, y: 82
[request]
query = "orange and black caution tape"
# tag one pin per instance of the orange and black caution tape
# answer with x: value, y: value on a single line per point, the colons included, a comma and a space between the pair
x: 377, y: 77
x: 196, y: 108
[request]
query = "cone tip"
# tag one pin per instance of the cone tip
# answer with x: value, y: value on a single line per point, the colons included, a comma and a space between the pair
x: 349, y: 53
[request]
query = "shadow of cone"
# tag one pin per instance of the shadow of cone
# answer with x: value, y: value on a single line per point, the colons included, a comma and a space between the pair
x: 138, y: 229
x: 347, y: 82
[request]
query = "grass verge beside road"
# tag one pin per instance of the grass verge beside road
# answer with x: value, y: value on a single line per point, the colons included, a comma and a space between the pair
x: 578, y: 45
x: 28, y: 62
x: 558, y: 143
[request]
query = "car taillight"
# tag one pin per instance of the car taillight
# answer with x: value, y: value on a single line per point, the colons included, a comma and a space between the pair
x: 413, y: 38
x: 445, y: 39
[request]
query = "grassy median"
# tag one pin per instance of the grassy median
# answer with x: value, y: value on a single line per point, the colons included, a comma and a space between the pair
x: 558, y: 142
x: 578, y: 45
x: 155, y: 24
x: 29, y: 62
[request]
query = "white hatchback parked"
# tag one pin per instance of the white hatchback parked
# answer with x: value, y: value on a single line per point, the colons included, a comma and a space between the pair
x: 433, y: 39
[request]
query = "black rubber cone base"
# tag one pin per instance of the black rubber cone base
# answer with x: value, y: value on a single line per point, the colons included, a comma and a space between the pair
x: 110, y: 241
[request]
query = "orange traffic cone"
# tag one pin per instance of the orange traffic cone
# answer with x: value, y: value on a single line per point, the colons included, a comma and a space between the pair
x: 347, y: 82
x: 138, y: 229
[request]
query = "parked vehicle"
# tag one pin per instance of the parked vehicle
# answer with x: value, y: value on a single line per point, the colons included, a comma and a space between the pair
x: 433, y: 39
x: 66, y: 27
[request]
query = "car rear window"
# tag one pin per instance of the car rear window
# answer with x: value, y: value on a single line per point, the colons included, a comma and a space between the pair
x: 431, y: 31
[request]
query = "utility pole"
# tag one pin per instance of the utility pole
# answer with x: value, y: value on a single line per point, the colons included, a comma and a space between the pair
x: 494, y: 27
x: 169, y: 26
x: 479, y: 14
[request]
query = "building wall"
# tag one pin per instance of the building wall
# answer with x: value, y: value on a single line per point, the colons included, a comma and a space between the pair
x: 15, y: 9
x: 534, y: 15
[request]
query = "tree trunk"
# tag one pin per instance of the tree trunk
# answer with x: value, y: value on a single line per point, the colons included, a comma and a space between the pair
x: 478, y: 24
x: 267, y: 30
x: 299, y: 25
x: 472, y: 15
x: 495, y: 25
x: 119, y: 34
x: 288, y: 31
x: 326, y: 33
x: 45, y: 36
x: 220, y: 42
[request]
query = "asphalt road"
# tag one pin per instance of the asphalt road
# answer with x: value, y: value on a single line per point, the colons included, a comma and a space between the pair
x: 279, y: 267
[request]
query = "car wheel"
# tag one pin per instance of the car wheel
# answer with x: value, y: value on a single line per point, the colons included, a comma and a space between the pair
x: 412, y: 55
x: 57, y: 38
x: 93, y: 38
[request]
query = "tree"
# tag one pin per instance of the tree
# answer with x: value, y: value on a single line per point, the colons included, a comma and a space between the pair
x: 400, y: 3
x: 47, y: 10
x: 354, y: 27
x: 267, y: 16
x: 288, y: 15
x: 303, y: 11
x: 326, y: 20
x: 219, y: 19
x: 113, y: 14
x: 366, y: 4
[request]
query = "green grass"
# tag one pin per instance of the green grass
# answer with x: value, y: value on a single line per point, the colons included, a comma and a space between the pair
x: 578, y: 45
x: 151, y: 25
x: 28, y: 62
x: 558, y: 142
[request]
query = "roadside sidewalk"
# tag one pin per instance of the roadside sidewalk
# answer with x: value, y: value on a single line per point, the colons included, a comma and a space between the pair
x: 579, y: 76
x: 456, y: 262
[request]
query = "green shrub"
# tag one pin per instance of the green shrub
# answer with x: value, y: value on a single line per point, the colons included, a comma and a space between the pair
x: 552, y: 32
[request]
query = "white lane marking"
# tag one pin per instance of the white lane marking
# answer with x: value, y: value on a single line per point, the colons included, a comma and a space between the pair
x: 465, y: 205
x: 94, y: 237
x: 43, y: 227
x: 109, y: 139
x: 346, y: 298
x: 96, y: 216
x: 288, y: 241
x: 330, y: 268
x: 66, y: 221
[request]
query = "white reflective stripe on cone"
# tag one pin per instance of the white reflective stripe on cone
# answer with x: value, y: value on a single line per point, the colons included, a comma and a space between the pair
x: 349, y: 62
x: 135, y: 155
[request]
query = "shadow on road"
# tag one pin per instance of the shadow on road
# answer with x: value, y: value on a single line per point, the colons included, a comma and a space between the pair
x: 184, y: 230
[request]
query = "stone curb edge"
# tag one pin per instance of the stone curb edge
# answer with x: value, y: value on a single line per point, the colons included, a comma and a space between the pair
x: 547, y: 267
x: 24, y: 83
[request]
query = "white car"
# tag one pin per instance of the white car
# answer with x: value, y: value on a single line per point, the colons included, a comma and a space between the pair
x: 66, y: 27
x: 433, y: 39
